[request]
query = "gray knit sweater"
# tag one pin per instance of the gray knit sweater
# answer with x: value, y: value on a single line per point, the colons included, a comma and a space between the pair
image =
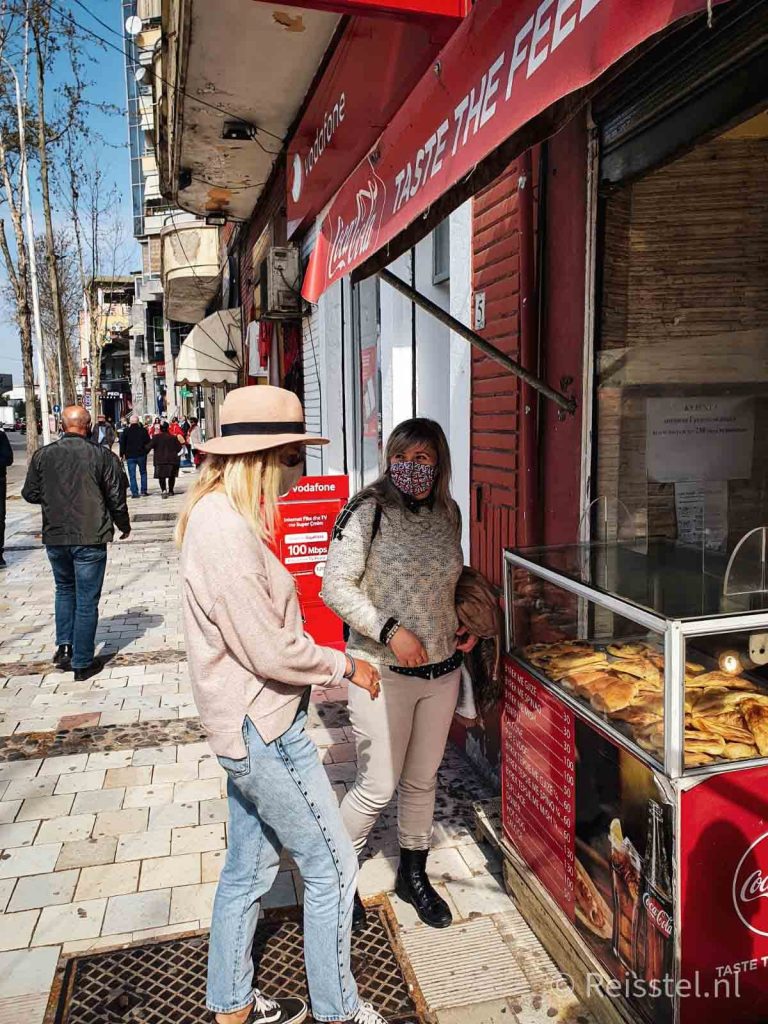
x: 408, y: 571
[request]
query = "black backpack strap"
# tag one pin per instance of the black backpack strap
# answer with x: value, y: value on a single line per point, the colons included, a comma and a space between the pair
x: 346, y: 514
x: 376, y: 521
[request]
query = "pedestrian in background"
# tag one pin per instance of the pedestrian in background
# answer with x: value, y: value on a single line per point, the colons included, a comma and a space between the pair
x: 194, y: 440
x: 81, y: 488
x: 167, y: 452
x: 6, y: 460
x: 154, y: 430
x: 393, y: 565
x: 252, y: 665
x: 102, y: 433
x: 134, y: 442
x: 175, y: 429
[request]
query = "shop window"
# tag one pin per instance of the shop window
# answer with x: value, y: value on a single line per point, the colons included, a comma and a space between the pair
x: 682, y: 424
x: 441, y: 252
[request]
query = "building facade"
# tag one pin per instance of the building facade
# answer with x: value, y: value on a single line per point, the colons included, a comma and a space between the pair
x: 156, y: 333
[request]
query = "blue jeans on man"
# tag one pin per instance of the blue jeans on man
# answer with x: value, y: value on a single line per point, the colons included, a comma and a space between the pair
x: 78, y: 571
x: 279, y: 797
x: 139, y: 464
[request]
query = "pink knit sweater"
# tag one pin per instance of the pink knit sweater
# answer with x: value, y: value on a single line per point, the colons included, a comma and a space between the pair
x: 247, y: 649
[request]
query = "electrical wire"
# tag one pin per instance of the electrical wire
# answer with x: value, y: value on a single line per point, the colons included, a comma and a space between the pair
x: 122, y: 50
x: 228, y: 188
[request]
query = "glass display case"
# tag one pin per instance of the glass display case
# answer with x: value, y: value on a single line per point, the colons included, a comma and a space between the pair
x: 659, y: 644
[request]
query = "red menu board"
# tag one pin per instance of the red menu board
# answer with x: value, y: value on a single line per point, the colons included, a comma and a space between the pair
x: 539, y: 782
x: 308, y: 514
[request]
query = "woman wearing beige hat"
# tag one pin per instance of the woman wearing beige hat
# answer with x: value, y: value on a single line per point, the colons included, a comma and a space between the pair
x: 252, y: 666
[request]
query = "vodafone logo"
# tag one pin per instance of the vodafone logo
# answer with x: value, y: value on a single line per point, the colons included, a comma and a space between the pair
x: 298, y: 178
x: 750, y: 887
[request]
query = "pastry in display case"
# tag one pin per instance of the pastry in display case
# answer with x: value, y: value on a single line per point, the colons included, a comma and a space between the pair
x: 576, y: 616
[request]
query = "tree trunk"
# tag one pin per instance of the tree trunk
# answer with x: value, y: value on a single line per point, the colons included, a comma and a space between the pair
x: 67, y: 391
x: 24, y: 321
x: 94, y: 355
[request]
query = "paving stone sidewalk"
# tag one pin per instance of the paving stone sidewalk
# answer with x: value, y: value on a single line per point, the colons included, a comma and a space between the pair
x: 112, y: 810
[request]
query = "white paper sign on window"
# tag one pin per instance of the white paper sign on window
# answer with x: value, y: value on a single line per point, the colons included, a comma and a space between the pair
x: 699, y: 438
x: 702, y: 513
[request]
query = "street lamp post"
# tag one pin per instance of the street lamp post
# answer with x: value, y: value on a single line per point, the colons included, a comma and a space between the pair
x: 32, y: 257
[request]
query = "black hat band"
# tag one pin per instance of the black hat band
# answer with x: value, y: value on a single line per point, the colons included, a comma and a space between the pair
x: 271, y: 427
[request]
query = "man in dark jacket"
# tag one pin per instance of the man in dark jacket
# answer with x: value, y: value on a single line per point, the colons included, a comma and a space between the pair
x: 103, y: 432
x: 6, y: 460
x: 81, y: 488
x: 134, y: 442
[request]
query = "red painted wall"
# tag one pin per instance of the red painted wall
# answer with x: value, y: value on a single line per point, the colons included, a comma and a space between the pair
x: 560, y: 465
x: 494, y: 456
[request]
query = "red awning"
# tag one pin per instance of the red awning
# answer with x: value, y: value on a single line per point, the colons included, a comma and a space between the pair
x: 508, y: 62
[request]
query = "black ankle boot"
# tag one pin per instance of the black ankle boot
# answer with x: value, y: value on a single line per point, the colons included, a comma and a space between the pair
x: 359, y: 915
x: 63, y: 656
x: 415, y: 888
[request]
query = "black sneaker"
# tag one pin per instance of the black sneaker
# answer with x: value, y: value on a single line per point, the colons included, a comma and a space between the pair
x: 63, y: 657
x: 3, y: 563
x: 81, y: 674
x: 276, y: 1011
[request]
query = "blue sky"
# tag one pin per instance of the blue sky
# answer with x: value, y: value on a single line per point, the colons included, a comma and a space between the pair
x: 105, y: 68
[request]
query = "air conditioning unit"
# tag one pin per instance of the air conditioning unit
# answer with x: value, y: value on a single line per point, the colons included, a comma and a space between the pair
x: 281, y: 283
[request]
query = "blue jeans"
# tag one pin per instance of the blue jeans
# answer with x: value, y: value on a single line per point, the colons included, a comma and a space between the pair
x: 280, y: 797
x: 141, y: 465
x: 78, y: 571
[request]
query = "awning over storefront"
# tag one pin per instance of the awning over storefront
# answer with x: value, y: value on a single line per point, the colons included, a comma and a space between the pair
x: 506, y: 64
x: 212, y: 352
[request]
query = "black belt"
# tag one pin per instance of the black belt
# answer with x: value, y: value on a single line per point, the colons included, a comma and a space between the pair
x: 442, y: 668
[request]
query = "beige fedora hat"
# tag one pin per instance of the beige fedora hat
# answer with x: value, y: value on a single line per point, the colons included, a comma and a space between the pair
x: 259, y: 417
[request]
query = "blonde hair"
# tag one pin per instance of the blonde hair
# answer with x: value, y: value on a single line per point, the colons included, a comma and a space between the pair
x: 251, y: 482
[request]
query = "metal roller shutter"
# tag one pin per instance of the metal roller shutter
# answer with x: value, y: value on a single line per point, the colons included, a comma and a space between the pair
x: 693, y: 83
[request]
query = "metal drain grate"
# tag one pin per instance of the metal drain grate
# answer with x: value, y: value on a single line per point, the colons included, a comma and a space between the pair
x: 164, y: 982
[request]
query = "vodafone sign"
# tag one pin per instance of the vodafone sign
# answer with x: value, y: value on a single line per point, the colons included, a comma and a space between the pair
x: 505, y: 64
x: 375, y: 65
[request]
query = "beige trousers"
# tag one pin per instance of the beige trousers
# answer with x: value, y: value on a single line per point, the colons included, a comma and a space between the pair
x: 401, y: 740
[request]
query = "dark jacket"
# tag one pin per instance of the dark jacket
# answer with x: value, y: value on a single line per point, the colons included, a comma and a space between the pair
x: 109, y: 436
x: 6, y: 454
x: 81, y: 487
x: 167, y: 454
x: 134, y: 441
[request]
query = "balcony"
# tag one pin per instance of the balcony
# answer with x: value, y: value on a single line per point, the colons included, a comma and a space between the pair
x: 149, y: 10
x: 146, y: 112
x: 230, y: 61
x: 190, y: 270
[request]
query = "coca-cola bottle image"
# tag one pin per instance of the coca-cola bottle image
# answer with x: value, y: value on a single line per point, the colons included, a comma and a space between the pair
x: 653, y: 941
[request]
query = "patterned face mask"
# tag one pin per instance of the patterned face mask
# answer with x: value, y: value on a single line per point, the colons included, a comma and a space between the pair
x: 412, y: 478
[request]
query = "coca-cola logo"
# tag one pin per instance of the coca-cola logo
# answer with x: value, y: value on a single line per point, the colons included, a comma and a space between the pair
x: 661, y: 918
x: 355, y: 237
x: 750, y: 887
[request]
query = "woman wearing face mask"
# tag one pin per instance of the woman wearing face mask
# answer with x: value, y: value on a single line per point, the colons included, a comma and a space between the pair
x: 391, y: 575
x: 252, y: 666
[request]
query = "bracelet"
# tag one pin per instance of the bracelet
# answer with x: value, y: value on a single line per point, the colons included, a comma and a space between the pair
x: 353, y: 669
x: 391, y: 626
